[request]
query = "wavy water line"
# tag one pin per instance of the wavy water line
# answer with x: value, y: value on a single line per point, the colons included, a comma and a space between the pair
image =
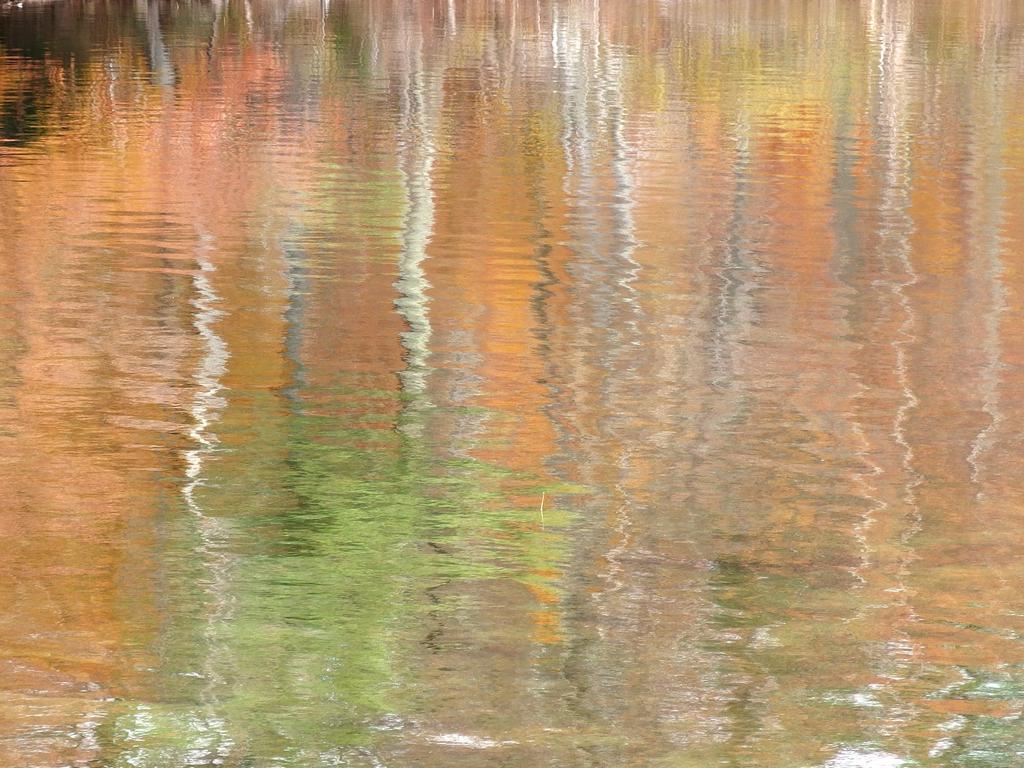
x: 895, y: 247
x: 990, y: 211
x: 204, y: 410
x: 420, y: 108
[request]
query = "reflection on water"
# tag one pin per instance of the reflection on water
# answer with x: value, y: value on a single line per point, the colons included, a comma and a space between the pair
x: 306, y: 306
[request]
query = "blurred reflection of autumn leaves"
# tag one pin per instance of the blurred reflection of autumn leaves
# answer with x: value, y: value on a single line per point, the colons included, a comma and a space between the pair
x: 742, y: 271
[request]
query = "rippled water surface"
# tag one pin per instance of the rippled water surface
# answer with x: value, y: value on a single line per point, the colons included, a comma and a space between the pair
x: 526, y: 383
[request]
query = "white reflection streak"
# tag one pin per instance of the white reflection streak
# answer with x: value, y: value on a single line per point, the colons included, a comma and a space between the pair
x: 868, y: 491
x: 613, y: 104
x: 212, y: 366
x: 888, y: 102
x: 875, y: 470
x: 993, y: 367
x: 735, y: 310
x: 206, y: 405
x: 567, y: 50
x: 590, y: 73
x: 890, y: 34
x: 159, y: 58
x: 452, y: 20
x: 416, y: 153
x: 609, y: 67
x: 893, y: 78
x: 989, y: 210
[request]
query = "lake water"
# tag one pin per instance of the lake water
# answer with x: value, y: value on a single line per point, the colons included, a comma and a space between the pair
x: 523, y: 383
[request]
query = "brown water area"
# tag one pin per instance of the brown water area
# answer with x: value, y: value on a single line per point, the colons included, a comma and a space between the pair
x: 523, y: 383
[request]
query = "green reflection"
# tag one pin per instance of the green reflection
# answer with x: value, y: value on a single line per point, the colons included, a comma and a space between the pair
x: 299, y: 592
